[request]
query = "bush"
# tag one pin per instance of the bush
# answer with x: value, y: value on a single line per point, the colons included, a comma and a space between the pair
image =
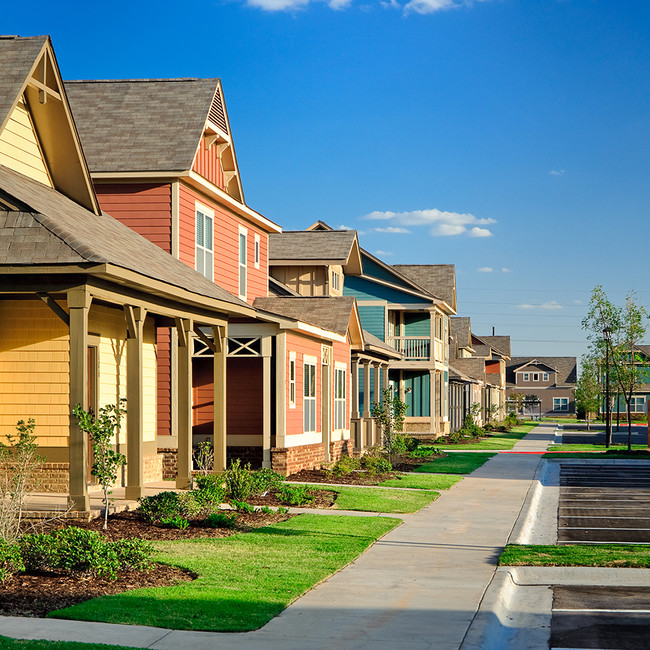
x: 10, y: 560
x: 242, y: 506
x: 239, y: 481
x: 163, y: 504
x: 221, y: 520
x: 411, y: 443
x: 345, y: 465
x: 133, y: 554
x: 85, y: 551
x: 175, y: 522
x: 376, y: 464
x: 266, y: 480
x: 294, y: 495
x: 39, y: 551
x: 210, y: 497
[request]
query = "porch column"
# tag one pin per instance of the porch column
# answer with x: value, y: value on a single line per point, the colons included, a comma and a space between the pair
x: 366, y: 434
x: 185, y: 348
x: 79, y: 301
x: 355, y: 423
x: 433, y: 397
x: 280, y: 390
x: 266, y: 401
x: 219, y: 419
x: 135, y: 317
x: 378, y: 398
x: 384, y: 376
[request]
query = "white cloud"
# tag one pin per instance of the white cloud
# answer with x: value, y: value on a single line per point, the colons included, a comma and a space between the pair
x: 556, y: 172
x: 278, y: 5
x: 383, y: 253
x: 444, y: 224
x: 505, y: 270
x: 343, y: 227
x: 551, y: 304
x: 392, y: 229
x: 431, y: 6
x: 486, y: 269
x: 578, y: 302
x: 412, y: 6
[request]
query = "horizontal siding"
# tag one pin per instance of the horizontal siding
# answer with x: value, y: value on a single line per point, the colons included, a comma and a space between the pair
x: 341, y: 354
x: 373, y: 319
x: 19, y: 147
x: 226, y: 245
x: 145, y: 208
x: 302, y: 346
x: 163, y: 381
x: 418, y: 399
x: 244, y: 397
x: 208, y: 164
x: 34, y: 371
x: 366, y: 290
x: 417, y: 325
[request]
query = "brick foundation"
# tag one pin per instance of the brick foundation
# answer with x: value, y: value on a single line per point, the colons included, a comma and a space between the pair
x: 153, y: 468
x: 52, y: 477
x: 340, y: 448
x: 169, y: 462
x: 287, y: 460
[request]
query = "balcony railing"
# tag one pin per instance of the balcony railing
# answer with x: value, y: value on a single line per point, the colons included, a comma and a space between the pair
x: 414, y: 348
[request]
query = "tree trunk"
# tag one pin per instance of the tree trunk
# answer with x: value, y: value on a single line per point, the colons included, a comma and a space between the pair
x: 628, y: 403
x: 105, y: 509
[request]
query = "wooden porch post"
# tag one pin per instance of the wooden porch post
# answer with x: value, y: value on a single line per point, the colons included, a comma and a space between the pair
x: 266, y: 401
x: 135, y: 317
x: 185, y: 349
x: 355, y: 389
x: 280, y: 390
x: 366, y: 435
x: 219, y: 419
x: 378, y: 398
x: 433, y: 397
x: 79, y: 301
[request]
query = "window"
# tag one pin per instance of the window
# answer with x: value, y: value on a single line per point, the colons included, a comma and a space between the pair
x: 336, y: 281
x: 535, y: 376
x: 243, y: 236
x: 544, y: 376
x: 339, y: 398
x: 526, y: 376
x: 292, y: 380
x: 637, y: 405
x: 204, y: 251
x: 560, y: 403
x: 257, y: 251
x: 309, y: 395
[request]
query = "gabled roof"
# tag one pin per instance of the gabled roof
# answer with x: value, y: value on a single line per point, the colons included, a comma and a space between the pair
x: 58, y: 231
x: 566, y: 368
x: 30, y: 72
x: 334, y: 314
x: 474, y: 368
x: 304, y: 247
x: 461, y: 331
x: 438, y: 279
x: 373, y: 343
x: 534, y: 363
x: 500, y: 344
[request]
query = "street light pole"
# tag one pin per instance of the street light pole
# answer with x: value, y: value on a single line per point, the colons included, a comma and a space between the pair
x: 608, y: 413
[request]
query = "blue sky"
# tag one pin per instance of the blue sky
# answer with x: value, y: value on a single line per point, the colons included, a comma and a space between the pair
x: 508, y: 137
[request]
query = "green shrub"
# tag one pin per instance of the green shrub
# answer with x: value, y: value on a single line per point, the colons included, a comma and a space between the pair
x: 163, y: 504
x: 376, y: 464
x: 242, y: 506
x: 175, y: 522
x: 133, y: 554
x: 266, y: 510
x: 424, y: 451
x: 345, y: 465
x: 266, y: 480
x: 239, y: 481
x: 411, y: 443
x: 85, y: 551
x: 10, y: 560
x: 221, y: 520
x: 39, y: 551
x: 294, y: 495
x: 281, y: 510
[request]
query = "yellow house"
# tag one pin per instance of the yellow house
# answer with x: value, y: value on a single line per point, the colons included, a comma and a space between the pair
x: 81, y: 294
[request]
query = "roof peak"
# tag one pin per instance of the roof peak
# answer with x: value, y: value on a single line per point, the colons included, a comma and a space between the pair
x: 152, y: 80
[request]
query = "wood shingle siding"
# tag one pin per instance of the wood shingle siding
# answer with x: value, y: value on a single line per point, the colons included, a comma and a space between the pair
x: 144, y: 208
x: 19, y: 148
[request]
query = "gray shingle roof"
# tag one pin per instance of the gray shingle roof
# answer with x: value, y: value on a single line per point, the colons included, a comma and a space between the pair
x: 17, y: 56
x: 140, y: 125
x: 461, y: 331
x: 499, y: 343
x: 331, y: 314
x: 474, y: 368
x: 332, y: 245
x: 59, y: 231
x: 437, y: 279
x: 566, y: 368
x: 375, y: 342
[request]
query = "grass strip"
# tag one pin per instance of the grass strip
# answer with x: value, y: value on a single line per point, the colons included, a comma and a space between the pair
x: 601, y: 555
x: 27, y: 644
x: 244, y: 580
x: 382, y: 499
x: 584, y: 447
x: 422, y: 481
x: 456, y: 463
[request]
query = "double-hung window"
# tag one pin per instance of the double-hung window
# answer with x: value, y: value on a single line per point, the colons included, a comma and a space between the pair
x: 339, y: 398
x: 544, y: 376
x: 637, y: 405
x: 257, y: 251
x: 560, y: 403
x: 309, y: 397
x: 526, y: 376
x: 243, y: 266
x: 204, y: 249
x: 292, y: 380
x: 336, y: 281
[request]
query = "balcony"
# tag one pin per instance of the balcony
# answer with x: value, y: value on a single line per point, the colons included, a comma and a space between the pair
x: 414, y: 348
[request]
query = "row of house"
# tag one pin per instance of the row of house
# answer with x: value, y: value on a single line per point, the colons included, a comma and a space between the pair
x: 132, y: 267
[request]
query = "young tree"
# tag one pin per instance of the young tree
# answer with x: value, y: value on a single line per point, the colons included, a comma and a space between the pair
x: 389, y: 415
x: 587, y: 392
x: 102, y: 429
x: 517, y: 401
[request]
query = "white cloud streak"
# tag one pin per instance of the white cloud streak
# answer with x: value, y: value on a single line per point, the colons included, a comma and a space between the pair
x: 551, y: 304
x: 443, y: 224
x: 486, y: 269
x: 505, y: 270
x: 383, y: 253
x: 410, y: 7
x: 556, y: 172
x: 393, y: 229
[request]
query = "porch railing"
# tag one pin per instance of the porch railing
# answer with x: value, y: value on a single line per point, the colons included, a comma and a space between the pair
x: 414, y: 348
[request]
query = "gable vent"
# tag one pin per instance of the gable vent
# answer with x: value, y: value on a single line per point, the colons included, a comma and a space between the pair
x: 217, y: 114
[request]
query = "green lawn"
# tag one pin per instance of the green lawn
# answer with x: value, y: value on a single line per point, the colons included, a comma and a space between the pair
x: 422, y: 481
x: 16, y: 644
x: 244, y: 580
x: 382, y: 499
x: 605, y: 555
x: 456, y: 463
x: 496, y: 441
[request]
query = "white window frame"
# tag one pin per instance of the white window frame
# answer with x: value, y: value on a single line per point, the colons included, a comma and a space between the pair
x: 242, y: 266
x: 336, y: 281
x: 561, y: 404
x: 637, y: 404
x: 526, y: 376
x: 257, y: 251
x: 203, y: 253
x: 292, y: 380
x: 340, y: 402
x: 309, y: 371
x: 544, y: 376
x: 535, y: 376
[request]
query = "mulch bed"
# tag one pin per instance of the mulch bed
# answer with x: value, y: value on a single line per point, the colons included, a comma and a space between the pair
x: 356, y: 477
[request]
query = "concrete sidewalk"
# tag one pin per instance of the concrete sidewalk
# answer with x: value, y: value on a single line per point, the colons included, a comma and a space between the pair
x: 418, y: 587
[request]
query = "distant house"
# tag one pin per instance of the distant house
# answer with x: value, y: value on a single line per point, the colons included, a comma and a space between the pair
x: 551, y: 379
